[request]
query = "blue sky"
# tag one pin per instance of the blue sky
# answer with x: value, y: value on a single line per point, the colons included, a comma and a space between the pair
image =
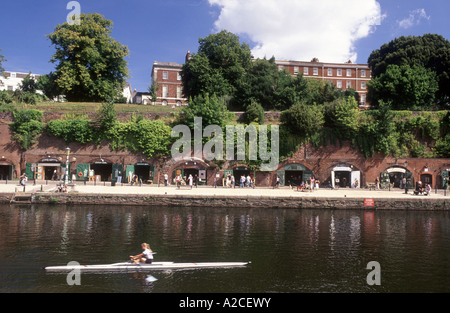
x: 163, y: 30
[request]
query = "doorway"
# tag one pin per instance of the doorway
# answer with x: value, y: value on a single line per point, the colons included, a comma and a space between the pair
x: 6, y: 172
x: 103, y: 169
x: 144, y: 171
x: 426, y: 179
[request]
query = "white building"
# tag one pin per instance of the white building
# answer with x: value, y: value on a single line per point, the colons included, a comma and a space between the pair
x: 13, y: 80
x: 128, y: 93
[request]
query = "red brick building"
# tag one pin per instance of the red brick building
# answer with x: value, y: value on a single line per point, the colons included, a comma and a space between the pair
x: 342, y: 75
x: 167, y: 77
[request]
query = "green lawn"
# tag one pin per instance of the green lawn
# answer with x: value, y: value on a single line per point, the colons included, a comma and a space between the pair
x: 85, y: 107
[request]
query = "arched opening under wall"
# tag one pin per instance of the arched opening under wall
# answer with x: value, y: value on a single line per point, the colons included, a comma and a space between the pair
x: 197, y: 169
x: 293, y: 174
x: 426, y: 179
x: 396, y: 177
x: 6, y: 170
x: 145, y: 172
x: 345, y: 176
x: 242, y: 171
x: 48, y: 169
x: 102, y: 170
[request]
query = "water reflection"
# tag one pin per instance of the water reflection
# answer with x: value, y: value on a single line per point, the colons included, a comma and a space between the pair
x: 300, y: 250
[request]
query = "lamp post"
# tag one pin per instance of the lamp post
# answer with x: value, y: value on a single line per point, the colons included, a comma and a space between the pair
x: 66, y: 180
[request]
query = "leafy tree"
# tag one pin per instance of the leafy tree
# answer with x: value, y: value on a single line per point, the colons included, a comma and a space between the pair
x: 151, y: 137
x: 212, y: 110
x: 200, y: 78
x: 408, y: 87
x: 442, y: 146
x: 47, y: 84
x: 342, y: 116
x: 254, y: 113
x: 90, y: 65
x: 2, y: 59
x: 303, y: 120
x: 431, y: 51
x: 27, y: 126
x: 72, y: 130
x: 320, y: 92
x: 28, y: 84
x: 273, y: 89
x: 257, y: 85
x: 217, y: 67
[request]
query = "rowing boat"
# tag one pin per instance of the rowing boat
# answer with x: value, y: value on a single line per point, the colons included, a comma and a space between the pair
x: 141, y: 266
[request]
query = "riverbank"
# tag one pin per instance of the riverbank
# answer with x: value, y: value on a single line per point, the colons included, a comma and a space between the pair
x: 152, y: 195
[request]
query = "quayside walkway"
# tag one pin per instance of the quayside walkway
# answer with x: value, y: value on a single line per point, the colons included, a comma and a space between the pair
x: 154, y: 190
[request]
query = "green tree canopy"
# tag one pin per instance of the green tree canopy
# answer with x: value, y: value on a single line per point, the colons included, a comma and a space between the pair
x: 90, y: 64
x: 2, y: 59
x: 211, y: 109
x: 342, y: 116
x: 408, y: 87
x: 303, y: 120
x: 217, y: 67
x: 431, y: 51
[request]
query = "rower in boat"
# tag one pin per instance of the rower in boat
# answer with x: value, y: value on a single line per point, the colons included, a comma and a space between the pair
x: 145, y: 257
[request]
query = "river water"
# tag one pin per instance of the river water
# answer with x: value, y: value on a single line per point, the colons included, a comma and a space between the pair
x: 291, y: 251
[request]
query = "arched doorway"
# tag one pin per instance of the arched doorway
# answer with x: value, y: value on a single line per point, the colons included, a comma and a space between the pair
x: 48, y: 169
x: 6, y: 170
x: 145, y: 172
x: 195, y: 168
x: 293, y: 174
x: 395, y: 176
x: 345, y: 175
x: 426, y: 179
x: 101, y: 170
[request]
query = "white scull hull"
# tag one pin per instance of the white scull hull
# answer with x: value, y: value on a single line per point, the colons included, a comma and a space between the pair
x: 153, y: 266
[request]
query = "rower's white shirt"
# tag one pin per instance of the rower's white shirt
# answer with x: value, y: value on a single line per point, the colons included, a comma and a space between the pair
x: 148, y: 254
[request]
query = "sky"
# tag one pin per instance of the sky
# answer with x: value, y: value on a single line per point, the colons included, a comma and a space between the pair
x: 164, y: 30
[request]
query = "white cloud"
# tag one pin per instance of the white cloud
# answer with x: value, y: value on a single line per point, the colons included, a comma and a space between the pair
x: 300, y: 29
x: 414, y: 18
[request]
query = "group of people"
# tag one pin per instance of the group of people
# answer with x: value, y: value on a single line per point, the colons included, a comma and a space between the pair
x: 422, y: 189
x: 312, y: 185
x: 179, y: 180
x: 244, y: 181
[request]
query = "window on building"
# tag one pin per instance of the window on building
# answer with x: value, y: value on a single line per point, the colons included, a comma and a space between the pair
x: 165, y: 91
x: 315, y: 71
x: 280, y: 67
x: 178, y: 75
x: 13, y: 75
x: 349, y: 73
x: 306, y: 70
x: 339, y: 72
x: 165, y: 75
x: 295, y: 70
x: 363, y: 85
x: 339, y: 84
x: 363, y: 73
x: 330, y: 72
x: 348, y: 85
x: 179, y: 93
x: 363, y: 98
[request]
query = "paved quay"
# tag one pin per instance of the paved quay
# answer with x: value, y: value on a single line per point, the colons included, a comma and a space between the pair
x: 210, y: 191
